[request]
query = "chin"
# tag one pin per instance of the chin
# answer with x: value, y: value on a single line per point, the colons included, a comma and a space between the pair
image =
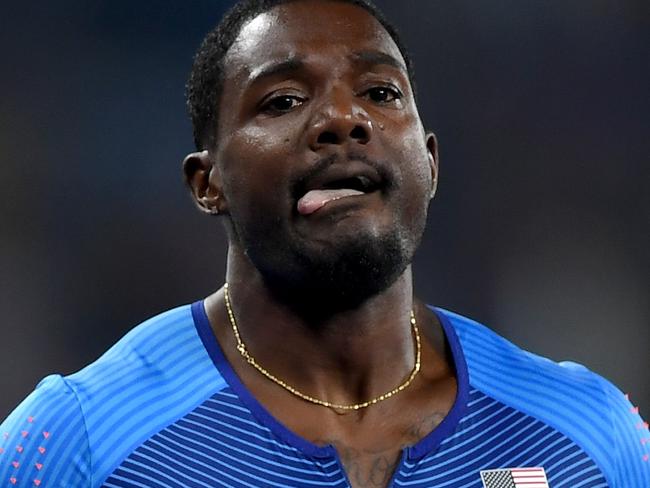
x: 320, y: 280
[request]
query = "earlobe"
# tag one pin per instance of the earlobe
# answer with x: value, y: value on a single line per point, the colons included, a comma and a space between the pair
x: 201, y: 176
x: 432, y: 150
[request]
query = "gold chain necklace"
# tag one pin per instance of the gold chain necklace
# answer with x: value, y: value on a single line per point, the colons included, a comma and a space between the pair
x: 241, y: 347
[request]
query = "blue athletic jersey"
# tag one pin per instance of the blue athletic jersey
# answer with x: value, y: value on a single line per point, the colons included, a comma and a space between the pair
x: 163, y: 408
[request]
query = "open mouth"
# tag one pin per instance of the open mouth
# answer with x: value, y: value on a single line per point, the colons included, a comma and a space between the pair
x: 359, y: 183
x: 321, y: 193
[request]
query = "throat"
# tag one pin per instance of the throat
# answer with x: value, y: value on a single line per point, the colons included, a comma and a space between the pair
x: 340, y: 365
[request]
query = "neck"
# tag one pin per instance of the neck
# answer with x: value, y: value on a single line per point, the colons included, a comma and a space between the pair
x: 343, y: 356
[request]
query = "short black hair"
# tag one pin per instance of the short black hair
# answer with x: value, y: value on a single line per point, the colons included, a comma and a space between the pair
x: 205, y: 84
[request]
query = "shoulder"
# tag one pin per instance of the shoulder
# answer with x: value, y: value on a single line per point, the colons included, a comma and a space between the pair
x: 47, y: 427
x: 139, y: 357
x: 498, y: 364
x: 156, y: 373
x: 565, y: 395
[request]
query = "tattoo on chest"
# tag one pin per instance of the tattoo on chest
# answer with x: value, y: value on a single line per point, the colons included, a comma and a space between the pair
x: 368, y: 468
x: 374, y: 467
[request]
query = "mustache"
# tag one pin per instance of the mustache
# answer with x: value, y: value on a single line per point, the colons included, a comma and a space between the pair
x: 383, y: 168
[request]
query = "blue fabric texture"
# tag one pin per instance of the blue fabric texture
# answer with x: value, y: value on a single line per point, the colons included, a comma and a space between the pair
x: 163, y: 408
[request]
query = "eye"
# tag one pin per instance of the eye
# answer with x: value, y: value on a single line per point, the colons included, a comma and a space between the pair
x: 383, y: 95
x: 281, y: 104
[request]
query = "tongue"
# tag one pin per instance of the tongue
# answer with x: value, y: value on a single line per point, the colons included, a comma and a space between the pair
x: 315, y: 199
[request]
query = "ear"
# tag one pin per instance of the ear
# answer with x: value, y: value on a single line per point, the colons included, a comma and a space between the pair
x: 432, y: 150
x: 203, y: 178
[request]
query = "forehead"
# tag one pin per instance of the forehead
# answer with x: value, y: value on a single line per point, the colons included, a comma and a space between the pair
x: 307, y: 28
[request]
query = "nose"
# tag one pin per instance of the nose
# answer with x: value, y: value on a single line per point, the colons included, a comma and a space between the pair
x: 339, y: 121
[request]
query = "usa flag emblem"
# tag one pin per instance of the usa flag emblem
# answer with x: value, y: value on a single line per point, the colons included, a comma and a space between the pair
x: 514, y: 478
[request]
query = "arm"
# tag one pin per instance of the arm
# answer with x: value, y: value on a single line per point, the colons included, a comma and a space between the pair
x: 43, y: 442
x: 632, y: 441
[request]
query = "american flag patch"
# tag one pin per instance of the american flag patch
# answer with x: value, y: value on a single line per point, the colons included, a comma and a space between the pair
x: 514, y: 478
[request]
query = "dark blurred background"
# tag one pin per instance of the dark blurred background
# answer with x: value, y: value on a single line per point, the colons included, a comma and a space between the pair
x: 541, y: 227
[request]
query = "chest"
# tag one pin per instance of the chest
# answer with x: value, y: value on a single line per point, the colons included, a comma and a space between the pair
x: 367, y: 467
x: 221, y: 443
x: 370, y: 456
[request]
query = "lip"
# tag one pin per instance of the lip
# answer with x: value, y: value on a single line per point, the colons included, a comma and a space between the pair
x: 348, y: 170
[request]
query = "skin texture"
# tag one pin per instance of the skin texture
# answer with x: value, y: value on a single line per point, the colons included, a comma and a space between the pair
x: 317, y: 89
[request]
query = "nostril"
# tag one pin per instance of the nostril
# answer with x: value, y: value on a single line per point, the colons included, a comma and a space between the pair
x: 359, y: 133
x: 328, y: 137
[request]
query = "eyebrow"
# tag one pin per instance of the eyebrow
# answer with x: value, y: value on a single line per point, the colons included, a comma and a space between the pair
x: 276, y: 68
x: 378, y: 57
x: 294, y: 64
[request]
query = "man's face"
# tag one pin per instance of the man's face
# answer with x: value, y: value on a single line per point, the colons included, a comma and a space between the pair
x: 321, y: 158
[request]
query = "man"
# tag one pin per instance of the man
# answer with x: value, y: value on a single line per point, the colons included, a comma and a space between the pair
x: 314, y: 365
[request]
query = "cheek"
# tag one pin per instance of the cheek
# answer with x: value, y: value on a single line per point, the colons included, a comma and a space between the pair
x: 416, y: 171
x: 276, y: 130
x: 248, y: 152
x: 254, y: 168
x: 407, y: 132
